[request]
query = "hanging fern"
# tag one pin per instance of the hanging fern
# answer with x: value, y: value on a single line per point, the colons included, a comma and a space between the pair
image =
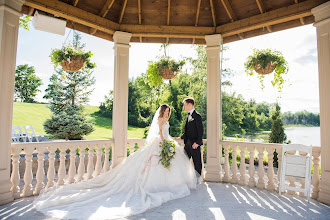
x: 263, y: 57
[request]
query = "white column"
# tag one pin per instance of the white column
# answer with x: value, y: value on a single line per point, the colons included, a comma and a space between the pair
x: 322, y: 24
x: 214, y: 122
x: 120, y: 97
x: 9, y: 24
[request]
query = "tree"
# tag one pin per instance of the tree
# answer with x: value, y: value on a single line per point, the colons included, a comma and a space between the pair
x: 26, y: 83
x: 277, y: 134
x: 67, y: 92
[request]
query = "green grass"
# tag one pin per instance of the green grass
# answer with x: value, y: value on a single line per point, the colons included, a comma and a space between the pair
x: 37, y: 114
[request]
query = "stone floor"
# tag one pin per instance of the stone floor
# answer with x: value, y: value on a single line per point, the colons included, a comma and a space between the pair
x: 208, y: 201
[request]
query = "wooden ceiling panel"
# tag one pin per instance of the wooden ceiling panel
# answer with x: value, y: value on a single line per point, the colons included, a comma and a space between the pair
x: 278, y: 4
x: 154, y: 12
x: 244, y: 8
x: 221, y: 14
x: 183, y: 12
x: 205, y: 14
x: 114, y: 12
x: 131, y: 15
x: 94, y: 6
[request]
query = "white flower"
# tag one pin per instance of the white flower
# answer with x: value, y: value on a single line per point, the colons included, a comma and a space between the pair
x: 190, y: 118
x: 171, y: 149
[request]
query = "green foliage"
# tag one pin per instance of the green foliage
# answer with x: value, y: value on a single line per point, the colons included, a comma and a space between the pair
x: 277, y: 134
x: 106, y: 107
x: 24, y: 22
x: 68, y: 126
x: 153, y: 76
x: 72, y: 49
x: 167, y: 153
x: 264, y: 56
x: 26, y: 83
x: 301, y: 118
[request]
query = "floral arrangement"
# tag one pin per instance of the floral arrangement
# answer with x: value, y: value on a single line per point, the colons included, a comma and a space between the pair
x: 266, y: 59
x: 167, y: 153
x: 164, y: 68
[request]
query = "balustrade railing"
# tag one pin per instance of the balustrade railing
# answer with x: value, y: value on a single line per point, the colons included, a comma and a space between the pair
x: 56, y: 163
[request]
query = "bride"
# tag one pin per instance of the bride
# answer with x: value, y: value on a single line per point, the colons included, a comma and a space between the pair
x: 139, y: 183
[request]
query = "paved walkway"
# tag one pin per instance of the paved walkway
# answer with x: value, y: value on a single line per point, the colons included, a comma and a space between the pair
x: 208, y: 201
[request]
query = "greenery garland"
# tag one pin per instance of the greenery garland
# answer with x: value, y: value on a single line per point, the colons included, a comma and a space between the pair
x: 263, y: 57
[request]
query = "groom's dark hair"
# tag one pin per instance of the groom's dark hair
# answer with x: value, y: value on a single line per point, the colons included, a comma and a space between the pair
x: 189, y: 100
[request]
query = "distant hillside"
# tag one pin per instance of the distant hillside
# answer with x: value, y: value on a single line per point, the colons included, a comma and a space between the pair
x: 37, y: 114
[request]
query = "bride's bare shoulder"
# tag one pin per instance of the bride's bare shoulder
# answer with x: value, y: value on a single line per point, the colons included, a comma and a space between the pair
x: 161, y: 121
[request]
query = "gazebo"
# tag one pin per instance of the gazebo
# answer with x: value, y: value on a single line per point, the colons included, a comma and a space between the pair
x: 210, y: 22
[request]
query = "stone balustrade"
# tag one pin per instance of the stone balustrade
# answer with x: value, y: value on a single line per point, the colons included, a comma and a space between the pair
x: 260, y: 179
x: 56, y: 163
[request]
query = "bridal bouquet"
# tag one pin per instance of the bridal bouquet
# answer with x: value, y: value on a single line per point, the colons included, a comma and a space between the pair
x: 167, y: 153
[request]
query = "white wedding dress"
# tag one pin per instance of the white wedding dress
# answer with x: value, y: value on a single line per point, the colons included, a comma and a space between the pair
x: 139, y: 183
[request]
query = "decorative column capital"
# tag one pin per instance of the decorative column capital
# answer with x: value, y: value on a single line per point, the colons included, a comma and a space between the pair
x: 13, y: 4
x: 213, y: 40
x: 121, y: 37
x: 321, y: 13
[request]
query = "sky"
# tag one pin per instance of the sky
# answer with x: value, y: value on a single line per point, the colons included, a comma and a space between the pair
x: 298, y: 46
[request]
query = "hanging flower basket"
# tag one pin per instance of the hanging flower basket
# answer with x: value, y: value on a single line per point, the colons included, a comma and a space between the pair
x: 167, y: 73
x: 71, y: 59
x: 264, y: 71
x: 73, y: 64
x: 163, y: 69
x: 266, y: 61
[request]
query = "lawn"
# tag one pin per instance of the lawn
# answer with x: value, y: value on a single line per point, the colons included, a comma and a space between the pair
x: 36, y: 114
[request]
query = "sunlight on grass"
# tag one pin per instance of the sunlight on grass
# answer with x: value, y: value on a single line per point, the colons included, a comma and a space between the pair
x: 36, y: 114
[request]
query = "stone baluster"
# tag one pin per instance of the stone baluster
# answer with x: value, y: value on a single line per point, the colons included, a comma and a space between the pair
x: 81, y: 167
x: 61, y: 170
x: 15, y: 178
x: 72, y: 167
x: 302, y: 180
x: 51, y: 167
x: 28, y: 176
x: 242, y: 168
x: 270, y: 171
x: 90, y: 165
x: 292, y: 180
x: 226, y: 177
x: 252, y: 181
x: 98, y: 166
x: 261, y: 170
x: 279, y: 159
x: 40, y: 176
x: 316, y: 174
x: 234, y: 166
x: 106, y: 165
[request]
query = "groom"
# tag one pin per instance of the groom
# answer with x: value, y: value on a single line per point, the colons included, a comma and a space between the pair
x: 193, y: 134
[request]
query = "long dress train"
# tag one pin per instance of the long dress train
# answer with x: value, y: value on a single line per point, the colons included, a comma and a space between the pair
x: 139, y: 183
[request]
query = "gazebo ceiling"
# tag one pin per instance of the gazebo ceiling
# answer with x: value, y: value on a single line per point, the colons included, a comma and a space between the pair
x: 178, y: 21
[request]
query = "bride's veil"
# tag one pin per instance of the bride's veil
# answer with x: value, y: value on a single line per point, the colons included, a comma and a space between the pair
x: 154, y: 128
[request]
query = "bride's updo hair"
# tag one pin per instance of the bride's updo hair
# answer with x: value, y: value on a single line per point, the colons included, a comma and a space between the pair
x: 163, y: 108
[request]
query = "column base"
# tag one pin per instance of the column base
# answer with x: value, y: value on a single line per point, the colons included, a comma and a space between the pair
x: 213, y: 175
x: 324, y: 193
x: 6, y: 195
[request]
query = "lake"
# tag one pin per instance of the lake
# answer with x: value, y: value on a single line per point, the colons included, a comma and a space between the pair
x: 297, y: 135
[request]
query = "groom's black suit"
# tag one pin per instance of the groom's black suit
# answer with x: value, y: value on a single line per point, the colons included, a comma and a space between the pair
x: 193, y: 132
